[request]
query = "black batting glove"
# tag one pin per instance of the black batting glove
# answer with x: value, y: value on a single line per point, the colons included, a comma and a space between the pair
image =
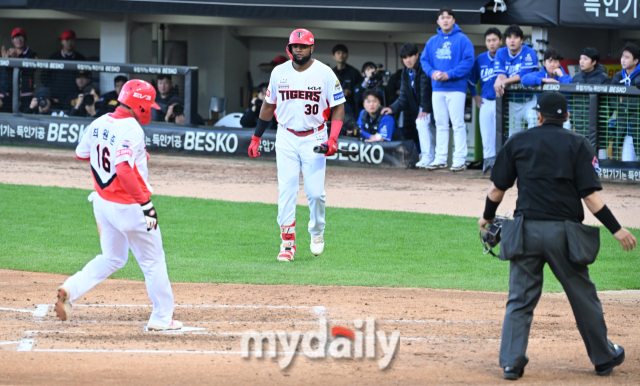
x: 150, y: 215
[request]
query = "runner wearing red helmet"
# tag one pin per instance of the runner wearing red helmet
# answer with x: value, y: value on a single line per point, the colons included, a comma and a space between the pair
x: 140, y: 97
x: 114, y: 144
x: 303, y: 94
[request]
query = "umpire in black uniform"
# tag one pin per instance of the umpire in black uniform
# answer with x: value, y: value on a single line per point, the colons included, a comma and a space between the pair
x: 555, y: 168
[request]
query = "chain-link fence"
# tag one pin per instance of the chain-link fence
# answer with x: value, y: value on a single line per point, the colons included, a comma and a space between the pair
x: 608, y: 115
x: 90, y: 89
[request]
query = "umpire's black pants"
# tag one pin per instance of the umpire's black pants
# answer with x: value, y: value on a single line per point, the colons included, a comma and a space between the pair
x: 546, y: 242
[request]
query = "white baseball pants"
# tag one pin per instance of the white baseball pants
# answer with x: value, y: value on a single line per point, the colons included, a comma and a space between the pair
x: 427, y: 137
x: 521, y: 112
x: 295, y: 154
x: 123, y: 227
x: 449, y: 105
x: 488, y: 127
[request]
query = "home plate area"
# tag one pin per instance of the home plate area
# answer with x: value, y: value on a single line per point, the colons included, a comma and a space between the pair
x: 208, y: 328
x: 440, y: 336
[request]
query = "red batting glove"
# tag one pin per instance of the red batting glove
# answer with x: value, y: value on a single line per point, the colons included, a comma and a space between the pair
x: 253, y: 147
x: 332, y: 142
x: 332, y: 147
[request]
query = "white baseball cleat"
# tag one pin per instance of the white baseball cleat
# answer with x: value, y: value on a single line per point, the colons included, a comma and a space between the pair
x: 175, y: 325
x: 63, y: 307
x: 317, y: 245
x: 458, y: 168
x: 435, y: 166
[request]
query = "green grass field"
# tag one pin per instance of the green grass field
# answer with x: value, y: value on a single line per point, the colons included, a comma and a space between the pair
x: 53, y: 230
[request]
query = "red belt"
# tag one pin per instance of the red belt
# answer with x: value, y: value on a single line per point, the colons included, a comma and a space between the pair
x: 306, y: 133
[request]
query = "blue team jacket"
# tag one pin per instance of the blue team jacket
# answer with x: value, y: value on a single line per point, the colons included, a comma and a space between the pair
x: 535, y: 78
x: 522, y: 63
x: 483, y: 71
x: 386, y: 127
x: 451, y: 53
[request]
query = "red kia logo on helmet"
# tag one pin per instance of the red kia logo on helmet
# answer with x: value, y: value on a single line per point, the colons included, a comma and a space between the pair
x: 140, y: 96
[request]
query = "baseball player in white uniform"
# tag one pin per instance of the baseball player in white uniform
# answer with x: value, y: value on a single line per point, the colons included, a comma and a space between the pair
x: 114, y: 144
x: 303, y: 93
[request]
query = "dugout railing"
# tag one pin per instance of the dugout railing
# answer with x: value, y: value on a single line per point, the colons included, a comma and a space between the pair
x: 605, y: 114
x: 20, y: 80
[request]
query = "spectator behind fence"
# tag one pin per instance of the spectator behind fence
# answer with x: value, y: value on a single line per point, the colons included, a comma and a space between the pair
x: 627, y: 116
x: 175, y: 113
x: 448, y: 59
x: 250, y: 116
x: 88, y: 104
x: 62, y: 83
x: 552, y: 71
x: 165, y: 93
x: 591, y: 71
x: 348, y: 76
x: 630, y: 69
x: 41, y: 103
x: 370, y: 81
x: 375, y: 126
x: 512, y: 63
x: 83, y: 79
x: 110, y: 99
x: 483, y: 72
x: 27, y: 81
x: 415, y: 101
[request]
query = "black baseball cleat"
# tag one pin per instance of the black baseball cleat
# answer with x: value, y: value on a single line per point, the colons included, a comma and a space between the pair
x: 513, y: 373
x: 607, y: 368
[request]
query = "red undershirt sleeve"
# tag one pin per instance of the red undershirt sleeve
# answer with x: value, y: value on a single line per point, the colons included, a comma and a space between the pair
x: 130, y: 183
x: 83, y: 159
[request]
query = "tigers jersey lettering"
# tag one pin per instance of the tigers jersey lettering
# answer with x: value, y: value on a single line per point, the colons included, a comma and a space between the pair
x: 312, y: 92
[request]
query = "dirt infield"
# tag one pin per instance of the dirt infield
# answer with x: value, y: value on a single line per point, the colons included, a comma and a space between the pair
x: 446, y: 337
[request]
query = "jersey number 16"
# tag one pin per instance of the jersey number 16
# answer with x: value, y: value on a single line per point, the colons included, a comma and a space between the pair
x: 106, y: 164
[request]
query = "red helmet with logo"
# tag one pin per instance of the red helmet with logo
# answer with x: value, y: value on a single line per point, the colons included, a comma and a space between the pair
x: 300, y: 36
x: 139, y: 96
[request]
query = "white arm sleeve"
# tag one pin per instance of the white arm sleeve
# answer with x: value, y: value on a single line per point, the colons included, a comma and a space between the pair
x: 272, y: 92
x: 334, y: 89
x: 83, y: 150
x: 129, y: 146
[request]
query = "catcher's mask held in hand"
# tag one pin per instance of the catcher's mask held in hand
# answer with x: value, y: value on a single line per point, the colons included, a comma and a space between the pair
x: 492, y: 238
x: 300, y: 36
x: 140, y: 97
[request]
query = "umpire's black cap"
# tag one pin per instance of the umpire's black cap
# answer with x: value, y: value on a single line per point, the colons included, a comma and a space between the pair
x: 552, y: 103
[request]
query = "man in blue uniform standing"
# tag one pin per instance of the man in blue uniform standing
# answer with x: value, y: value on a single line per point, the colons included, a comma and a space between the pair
x: 483, y: 71
x: 512, y: 63
x: 447, y: 59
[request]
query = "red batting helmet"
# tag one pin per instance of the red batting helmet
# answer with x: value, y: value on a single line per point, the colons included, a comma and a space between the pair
x: 139, y: 96
x: 300, y: 36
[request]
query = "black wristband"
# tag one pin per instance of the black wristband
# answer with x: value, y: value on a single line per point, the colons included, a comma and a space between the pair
x: 490, y: 208
x: 262, y: 126
x: 608, y: 219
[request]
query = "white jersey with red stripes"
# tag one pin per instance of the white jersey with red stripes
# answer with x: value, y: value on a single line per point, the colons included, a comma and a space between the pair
x: 304, y: 99
x: 107, y: 142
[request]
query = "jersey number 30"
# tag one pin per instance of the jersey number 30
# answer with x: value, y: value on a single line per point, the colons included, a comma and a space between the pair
x: 311, y: 109
x: 106, y: 164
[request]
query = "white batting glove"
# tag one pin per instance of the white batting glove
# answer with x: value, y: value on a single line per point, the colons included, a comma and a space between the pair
x: 150, y: 215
